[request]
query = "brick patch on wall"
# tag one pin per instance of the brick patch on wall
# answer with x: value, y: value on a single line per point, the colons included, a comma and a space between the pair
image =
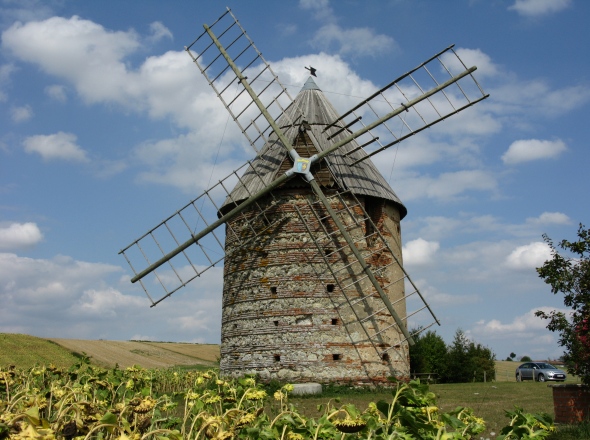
x: 571, y: 403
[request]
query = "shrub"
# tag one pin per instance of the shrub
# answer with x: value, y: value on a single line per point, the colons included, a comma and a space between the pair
x: 570, y: 276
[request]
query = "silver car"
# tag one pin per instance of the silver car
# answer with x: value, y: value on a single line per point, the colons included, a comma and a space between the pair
x: 539, y: 371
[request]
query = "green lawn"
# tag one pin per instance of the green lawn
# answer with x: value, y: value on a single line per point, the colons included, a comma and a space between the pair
x: 488, y: 400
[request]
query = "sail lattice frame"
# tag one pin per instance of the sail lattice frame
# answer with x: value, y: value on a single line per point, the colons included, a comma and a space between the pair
x: 231, y: 88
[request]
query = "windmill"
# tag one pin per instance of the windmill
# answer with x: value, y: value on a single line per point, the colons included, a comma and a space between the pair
x: 308, y: 231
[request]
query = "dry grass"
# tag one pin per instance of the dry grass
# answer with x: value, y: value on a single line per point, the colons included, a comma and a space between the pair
x: 205, y: 352
x: 145, y: 354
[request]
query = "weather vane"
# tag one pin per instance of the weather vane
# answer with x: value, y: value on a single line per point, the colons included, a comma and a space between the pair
x: 312, y: 71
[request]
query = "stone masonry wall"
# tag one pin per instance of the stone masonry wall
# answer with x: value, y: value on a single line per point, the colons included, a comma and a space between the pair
x: 284, y: 315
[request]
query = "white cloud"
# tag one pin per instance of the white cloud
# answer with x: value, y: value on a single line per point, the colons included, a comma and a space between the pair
x: 159, y: 31
x: 21, y: 114
x: 523, y: 326
x: 355, y: 42
x: 321, y: 9
x: 472, y: 57
x: 58, y: 146
x: 41, y: 282
x: 419, y: 251
x: 192, y: 322
x: 535, y: 97
x: 446, y: 185
x: 550, y: 218
x: 529, y: 256
x: 534, y: 8
x: 19, y: 235
x: 78, y: 50
x: 5, y: 71
x: 527, y: 150
x: 63, y: 297
x: 57, y: 92
x: 331, y: 37
x: 104, y: 303
x: 26, y: 10
x: 93, y: 60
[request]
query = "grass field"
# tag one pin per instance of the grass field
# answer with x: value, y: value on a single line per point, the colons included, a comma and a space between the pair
x: 26, y: 351
x: 489, y: 401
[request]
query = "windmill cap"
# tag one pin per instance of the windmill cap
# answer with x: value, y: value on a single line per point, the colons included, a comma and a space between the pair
x: 310, y: 85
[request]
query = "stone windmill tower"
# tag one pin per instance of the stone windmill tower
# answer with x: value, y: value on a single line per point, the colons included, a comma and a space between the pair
x: 309, y: 230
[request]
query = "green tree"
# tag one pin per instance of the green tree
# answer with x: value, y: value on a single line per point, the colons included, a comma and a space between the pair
x: 429, y: 354
x: 570, y: 276
x: 467, y: 361
x: 458, y: 369
x: 482, y: 362
x: 525, y: 359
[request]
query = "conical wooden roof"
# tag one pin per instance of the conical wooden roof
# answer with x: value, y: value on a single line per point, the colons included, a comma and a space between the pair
x: 333, y: 171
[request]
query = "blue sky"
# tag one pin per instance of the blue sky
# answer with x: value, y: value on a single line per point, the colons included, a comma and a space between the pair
x: 108, y: 128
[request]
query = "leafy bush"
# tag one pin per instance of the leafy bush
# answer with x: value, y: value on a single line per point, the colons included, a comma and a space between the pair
x: 570, y: 275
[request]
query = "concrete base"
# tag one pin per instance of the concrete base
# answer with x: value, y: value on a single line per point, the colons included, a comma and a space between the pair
x: 300, y: 389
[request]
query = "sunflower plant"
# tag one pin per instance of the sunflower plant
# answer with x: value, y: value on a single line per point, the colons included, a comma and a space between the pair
x: 87, y: 402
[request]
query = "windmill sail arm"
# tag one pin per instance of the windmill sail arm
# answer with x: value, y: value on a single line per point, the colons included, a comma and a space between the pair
x: 223, y: 219
x: 388, y: 86
x: 412, y: 133
x: 316, y: 188
x: 217, y: 52
x: 253, y: 95
x: 402, y: 108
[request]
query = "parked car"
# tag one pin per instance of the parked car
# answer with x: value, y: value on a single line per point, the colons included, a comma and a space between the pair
x: 539, y: 371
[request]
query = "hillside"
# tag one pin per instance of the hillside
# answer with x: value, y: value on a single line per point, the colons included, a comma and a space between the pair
x: 143, y: 353
x: 26, y: 351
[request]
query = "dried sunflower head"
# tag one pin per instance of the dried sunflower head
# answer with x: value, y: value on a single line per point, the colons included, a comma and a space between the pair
x: 225, y: 435
x: 135, y: 401
x: 70, y: 429
x: 249, y: 382
x: 350, y: 425
x: 212, y: 399
x: 255, y: 395
x: 245, y: 420
x: 145, y: 406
